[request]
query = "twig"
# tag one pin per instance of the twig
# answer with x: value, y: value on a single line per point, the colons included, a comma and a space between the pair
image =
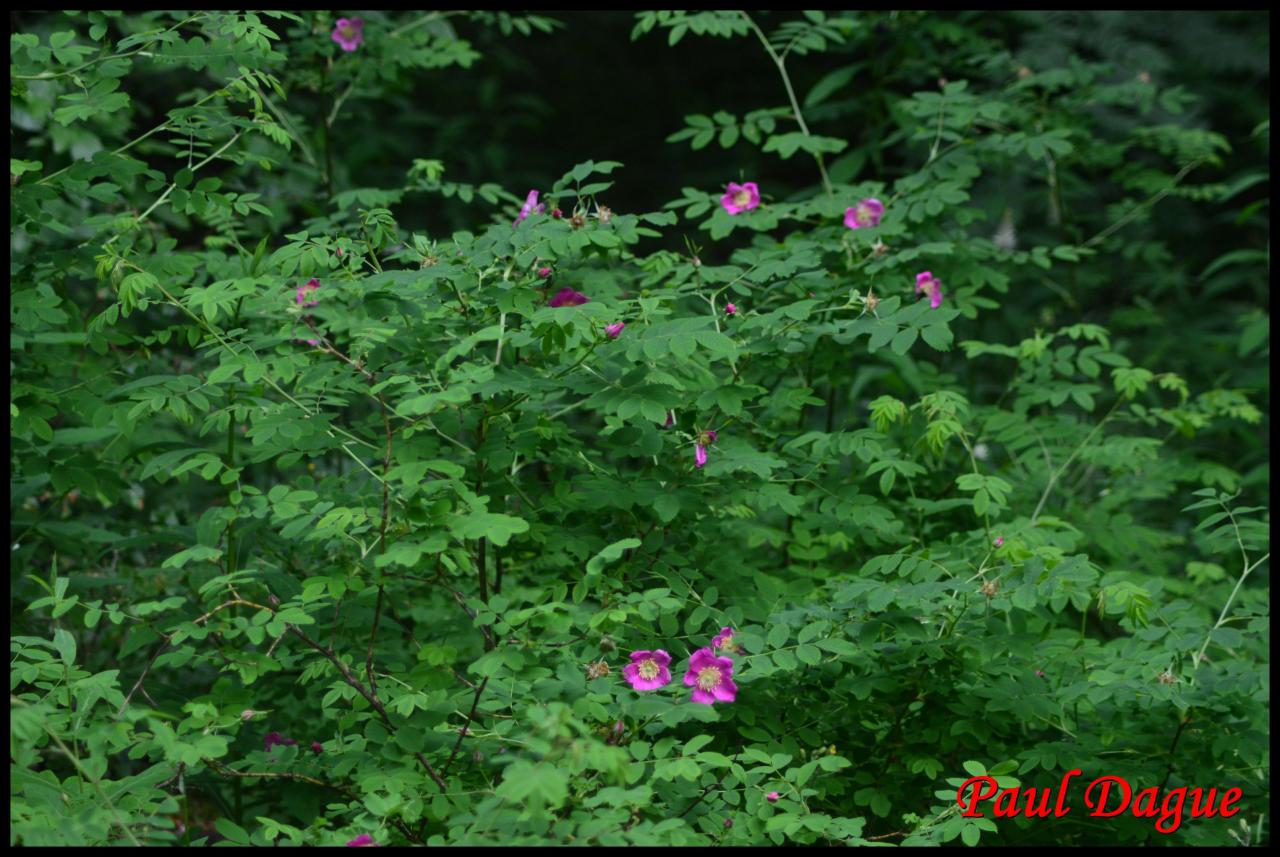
x: 791, y: 94
x: 1144, y: 206
x: 475, y: 702
x: 1173, y: 745
x: 370, y: 697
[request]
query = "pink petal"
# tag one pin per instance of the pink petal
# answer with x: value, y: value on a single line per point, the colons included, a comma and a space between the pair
x: 725, y: 691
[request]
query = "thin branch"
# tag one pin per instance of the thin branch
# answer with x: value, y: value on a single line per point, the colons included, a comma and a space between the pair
x: 475, y: 702
x: 1144, y: 206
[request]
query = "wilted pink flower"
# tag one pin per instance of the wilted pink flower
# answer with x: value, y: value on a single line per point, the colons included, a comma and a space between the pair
x: 1040, y: 674
x: 274, y: 738
x: 531, y: 206
x: 247, y: 714
x: 362, y: 839
x: 928, y: 284
x: 567, y: 297
x: 300, y: 296
x: 999, y: 541
x: 671, y: 419
x: 349, y: 33
x: 614, y: 329
x: 724, y: 640
x: 618, y: 728
x: 866, y: 213
x: 730, y: 309
x: 711, y: 678
x: 772, y: 797
x: 705, y: 439
x: 544, y: 272
x: 728, y: 822
x: 740, y: 197
x: 317, y: 747
x: 648, y: 670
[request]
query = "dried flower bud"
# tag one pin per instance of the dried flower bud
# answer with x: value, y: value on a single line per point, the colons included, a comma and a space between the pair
x: 430, y: 261
x: 990, y: 587
x: 1023, y: 72
x: 477, y: 757
x: 599, y: 669
x: 577, y: 221
x: 870, y: 302
x: 1167, y: 677
x: 607, y: 644
x: 603, y: 213
x: 1144, y: 76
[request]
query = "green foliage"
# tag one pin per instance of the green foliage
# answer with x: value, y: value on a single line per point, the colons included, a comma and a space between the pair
x: 414, y: 514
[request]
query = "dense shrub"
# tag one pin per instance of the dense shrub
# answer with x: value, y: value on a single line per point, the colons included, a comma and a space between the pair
x: 361, y: 495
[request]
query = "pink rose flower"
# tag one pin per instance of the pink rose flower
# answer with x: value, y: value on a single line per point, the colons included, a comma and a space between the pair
x: 705, y: 439
x: 740, y: 197
x: 614, y: 329
x: 567, y: 297
x: 928, y: 284
x: 349, y: 33
x: 866, y: 213
x: 772, y: 797
x: 711, y: 678
x: 724, y: 640
x: 300, y: 296
x: 730, y: 309
x: 648, y: 670
x: 274, y: 738
x: 531, y: 206
x: 361, y: 840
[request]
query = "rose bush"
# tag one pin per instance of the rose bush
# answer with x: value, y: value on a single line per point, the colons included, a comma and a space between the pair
x: 936, y: 448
